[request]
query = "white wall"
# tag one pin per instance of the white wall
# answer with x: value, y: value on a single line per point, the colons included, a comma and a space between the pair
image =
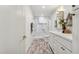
x: 67, y: 9
x: 53, y: 18
x: 29, y: 19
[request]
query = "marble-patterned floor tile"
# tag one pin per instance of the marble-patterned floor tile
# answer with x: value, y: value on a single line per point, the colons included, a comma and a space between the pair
x: 39, y: 46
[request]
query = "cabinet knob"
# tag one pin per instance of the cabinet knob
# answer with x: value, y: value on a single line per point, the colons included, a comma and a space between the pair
x: 62, y: 48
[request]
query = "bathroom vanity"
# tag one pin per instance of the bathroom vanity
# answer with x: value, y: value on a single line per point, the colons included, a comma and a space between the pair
x: 60, y: 43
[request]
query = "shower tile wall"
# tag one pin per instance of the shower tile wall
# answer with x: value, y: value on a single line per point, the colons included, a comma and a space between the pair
x: 40, y: 28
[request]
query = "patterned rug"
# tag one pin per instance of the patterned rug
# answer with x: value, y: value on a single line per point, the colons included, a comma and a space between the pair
x: 39, y: 46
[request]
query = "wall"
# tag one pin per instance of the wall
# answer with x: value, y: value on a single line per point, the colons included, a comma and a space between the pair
x: 67, y: 9
x: 29, y: 20
x: 52, y: 24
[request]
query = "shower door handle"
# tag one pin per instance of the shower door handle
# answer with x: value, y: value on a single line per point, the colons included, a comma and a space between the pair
x: 24, y: 37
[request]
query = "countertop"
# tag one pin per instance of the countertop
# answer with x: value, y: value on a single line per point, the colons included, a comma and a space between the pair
x: 64, y: 35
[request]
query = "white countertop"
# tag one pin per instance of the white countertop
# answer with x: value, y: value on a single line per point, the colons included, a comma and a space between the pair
x: 64, y: 35
x: 41, y: 36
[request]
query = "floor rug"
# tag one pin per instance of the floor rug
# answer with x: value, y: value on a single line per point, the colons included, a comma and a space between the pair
x: 39, y: 46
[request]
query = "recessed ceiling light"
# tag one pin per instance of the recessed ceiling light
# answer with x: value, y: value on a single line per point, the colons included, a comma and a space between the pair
x: 61, y: 8
x: 43, y: 7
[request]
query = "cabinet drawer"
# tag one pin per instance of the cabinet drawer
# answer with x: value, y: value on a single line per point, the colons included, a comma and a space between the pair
x: 60, y: 48
x: 64, y: 42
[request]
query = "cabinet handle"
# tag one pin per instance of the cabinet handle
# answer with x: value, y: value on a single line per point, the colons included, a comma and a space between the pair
x: 62, y: 48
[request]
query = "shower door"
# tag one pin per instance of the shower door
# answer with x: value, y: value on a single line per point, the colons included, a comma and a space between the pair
x: 41, y: 27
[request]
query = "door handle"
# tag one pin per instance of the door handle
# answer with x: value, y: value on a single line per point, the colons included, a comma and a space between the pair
x: 24, y: 37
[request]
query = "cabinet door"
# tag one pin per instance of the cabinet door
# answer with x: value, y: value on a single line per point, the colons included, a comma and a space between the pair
x: 76, y: 30
x: 60, y: 48
x: 60, y: 45
x: 64, y: 42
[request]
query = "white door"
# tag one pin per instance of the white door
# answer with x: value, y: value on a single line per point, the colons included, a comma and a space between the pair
x: 12, y: 29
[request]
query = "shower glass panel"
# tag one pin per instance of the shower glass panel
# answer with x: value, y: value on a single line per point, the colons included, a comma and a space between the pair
x: 41, y: 26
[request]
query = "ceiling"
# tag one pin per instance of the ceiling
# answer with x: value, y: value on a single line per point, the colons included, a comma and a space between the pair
x: 46, y: 10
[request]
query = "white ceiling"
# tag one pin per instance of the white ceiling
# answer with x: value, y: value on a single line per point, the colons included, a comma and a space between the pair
x: 47, y: 11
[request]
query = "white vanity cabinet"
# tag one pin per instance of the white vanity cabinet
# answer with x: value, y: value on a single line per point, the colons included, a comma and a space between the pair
x: 59, y: 44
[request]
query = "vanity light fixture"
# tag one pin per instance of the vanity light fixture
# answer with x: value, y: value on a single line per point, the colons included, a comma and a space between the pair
x: 61, y: 8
